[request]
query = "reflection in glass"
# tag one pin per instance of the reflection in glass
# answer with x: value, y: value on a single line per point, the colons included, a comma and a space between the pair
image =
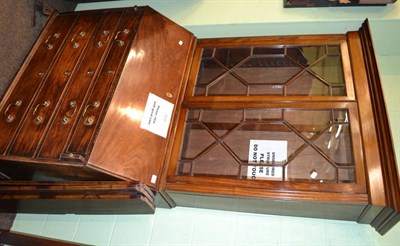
x: 317, y: 144
x: 271, y: 70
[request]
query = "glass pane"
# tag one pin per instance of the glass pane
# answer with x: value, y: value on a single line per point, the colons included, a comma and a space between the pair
x: 197, y: 140
x: 308, y: 166
x: 230, y: 57
x: 346, y: 175
x: 226, y: 85
x: 269, y: 50
x: 216, y: 162
x: 272, y: 70
x: 311, y: 54
x: 263, y: 114
x: 303, y: 145
x: 275, y: 90
x: 338, y: 91
x: 221, y: 122
x: 207, y: 53
x: 335, y: 143
x: 333, y: 50
x: 330, y: 70
x: 307, y: 85
x: 208, y: 72
x: 309, y: 122
x: 267, y: 70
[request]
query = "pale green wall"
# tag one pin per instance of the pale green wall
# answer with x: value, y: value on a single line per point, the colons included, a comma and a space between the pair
x: 187, y: 226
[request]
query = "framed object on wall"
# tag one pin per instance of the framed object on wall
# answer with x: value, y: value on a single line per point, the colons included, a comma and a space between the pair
x: 334, y: 3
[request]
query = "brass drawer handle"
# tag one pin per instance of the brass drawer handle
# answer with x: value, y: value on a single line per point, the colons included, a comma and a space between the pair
x: 106, y: 34
x: 90, y: 119
x: 119, y: 41
x: 38, y: 118
x: 9, y: 117
x: 96, y: 104
x: 72, y: 106
x: 73, y: 42
x: 47, y: 43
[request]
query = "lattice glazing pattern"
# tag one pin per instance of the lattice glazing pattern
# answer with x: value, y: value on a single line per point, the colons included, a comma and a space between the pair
x: 273, y: 70
x: 217, y: 143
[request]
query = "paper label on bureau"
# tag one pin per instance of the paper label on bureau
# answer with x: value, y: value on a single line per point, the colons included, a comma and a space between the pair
x: 157, y: 115
x: 271, y: 152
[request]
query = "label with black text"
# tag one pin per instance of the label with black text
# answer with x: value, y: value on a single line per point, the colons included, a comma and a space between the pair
x: 271, y: 152
x: 157, y: 115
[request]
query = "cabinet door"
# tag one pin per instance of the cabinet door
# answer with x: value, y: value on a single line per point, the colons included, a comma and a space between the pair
x: 31, y: 75
x: 312, y: 143
x: 274, y: 113
x: 91, y: 115
x: 73, y: 101
x: 47, y: 99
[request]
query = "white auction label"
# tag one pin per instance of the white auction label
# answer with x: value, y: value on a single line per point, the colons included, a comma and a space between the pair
x: 266, y: 152
x: 157, y: 115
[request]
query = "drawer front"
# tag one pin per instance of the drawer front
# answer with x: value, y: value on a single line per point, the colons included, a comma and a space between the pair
x: 40, y: 112
x: 32, y: 74
x: 91, y: 115
x: 79, y: 197
x: 73, y: 102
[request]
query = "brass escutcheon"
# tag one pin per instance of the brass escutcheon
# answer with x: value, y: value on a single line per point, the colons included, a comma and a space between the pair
x: 38, y: 119
x: 18, y: 103
x: 120, y: 42
x: 10, y: 118
x: 72, y: 104
x: 89, y: 121
x: 64, y: 120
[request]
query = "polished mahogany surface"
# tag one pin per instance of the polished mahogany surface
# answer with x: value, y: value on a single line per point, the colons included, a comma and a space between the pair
x: 155, y: 64
x: 96, y: 105
x: 86, y: 75
x: 46, y: 100
x: 86, y: 111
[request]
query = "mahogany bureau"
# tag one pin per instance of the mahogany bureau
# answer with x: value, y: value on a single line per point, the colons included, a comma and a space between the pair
x: 122, y: 110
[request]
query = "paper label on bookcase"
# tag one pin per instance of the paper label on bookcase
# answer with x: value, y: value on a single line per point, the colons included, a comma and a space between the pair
x: 157, y: 115
x: 266, y: 152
